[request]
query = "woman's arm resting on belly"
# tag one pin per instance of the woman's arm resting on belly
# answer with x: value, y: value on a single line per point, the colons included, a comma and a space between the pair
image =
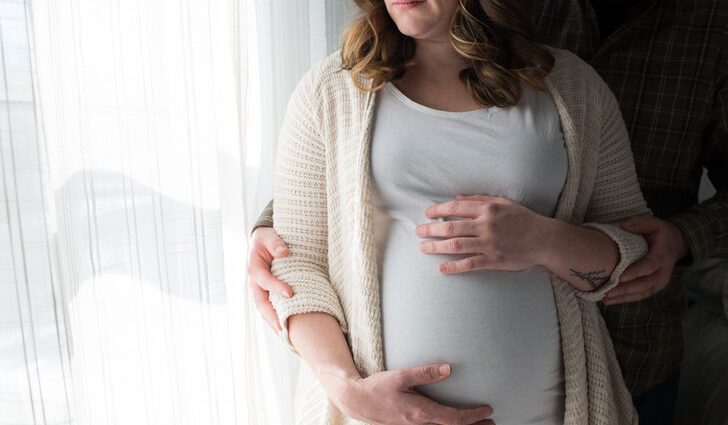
x: 583, y: 257
x: 382, y: 398
x: 616, y: 195
x: 505, y: 235
x: 321, y: 344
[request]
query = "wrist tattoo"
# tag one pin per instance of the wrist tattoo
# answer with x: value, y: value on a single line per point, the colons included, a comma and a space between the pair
x: 591, y: 278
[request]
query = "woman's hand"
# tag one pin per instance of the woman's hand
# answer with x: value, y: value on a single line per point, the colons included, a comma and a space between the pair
x: 501, y: 234
x: 387, y: 398
x: 265, y: 245
x: 504, y: 235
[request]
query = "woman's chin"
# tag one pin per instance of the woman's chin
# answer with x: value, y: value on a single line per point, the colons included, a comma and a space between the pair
x: 416, y: 30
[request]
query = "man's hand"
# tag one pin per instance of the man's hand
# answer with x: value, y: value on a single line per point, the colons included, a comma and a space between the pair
x: 265, y: 245
x: 652, y: 274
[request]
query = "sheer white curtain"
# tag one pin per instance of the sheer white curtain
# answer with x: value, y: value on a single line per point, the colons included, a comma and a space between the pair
x: 137, y: 142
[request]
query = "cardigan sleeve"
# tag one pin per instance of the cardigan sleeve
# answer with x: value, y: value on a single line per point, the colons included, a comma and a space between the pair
x: 616, y: 195
x: 300, y: 212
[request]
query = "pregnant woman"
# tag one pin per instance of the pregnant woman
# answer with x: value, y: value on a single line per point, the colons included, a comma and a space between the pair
x: 448, y: 190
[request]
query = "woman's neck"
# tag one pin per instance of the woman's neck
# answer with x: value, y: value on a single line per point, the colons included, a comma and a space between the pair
x: 434, y: 79
x: 437, y: 60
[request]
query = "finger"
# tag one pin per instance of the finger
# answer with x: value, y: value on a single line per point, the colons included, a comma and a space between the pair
x: 641, y: 224
x: 452, y: 246
x: 267, y: 311
x: 467, y: 209
x: 479, y: 197
x: 476, y: 262
x: 446, y: 229
x: 644, y: 267
x: 639, y: 296
x: 273, y: 243
x: 265, y: 308
x: 259, y: 271
x: 448, y: 415
x: 425, y: 374
x: 632, y: 287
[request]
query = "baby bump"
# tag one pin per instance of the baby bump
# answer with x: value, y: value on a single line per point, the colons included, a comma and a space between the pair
x: 498, y: 330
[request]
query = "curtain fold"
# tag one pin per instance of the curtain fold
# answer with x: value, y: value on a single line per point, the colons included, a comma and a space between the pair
x: 35, y: 373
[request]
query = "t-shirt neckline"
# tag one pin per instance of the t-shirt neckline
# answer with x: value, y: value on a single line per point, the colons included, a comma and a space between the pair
x: 432, y: 111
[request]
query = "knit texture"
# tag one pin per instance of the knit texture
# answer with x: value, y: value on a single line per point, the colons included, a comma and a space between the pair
x: 322, y: 210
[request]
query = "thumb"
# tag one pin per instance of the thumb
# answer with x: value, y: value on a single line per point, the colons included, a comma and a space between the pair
x: 274, y: 244
x: 472, y: 197
x: 426, y: 374
x: 641, y: 224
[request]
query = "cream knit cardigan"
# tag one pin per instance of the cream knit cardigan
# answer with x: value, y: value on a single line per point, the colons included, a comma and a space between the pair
x: 322, y: 211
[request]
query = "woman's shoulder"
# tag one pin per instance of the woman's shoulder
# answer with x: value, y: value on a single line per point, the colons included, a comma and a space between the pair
x: 326, y: 75
x: 579, y: 88
x: 572, y: 73
x: 566, y: 60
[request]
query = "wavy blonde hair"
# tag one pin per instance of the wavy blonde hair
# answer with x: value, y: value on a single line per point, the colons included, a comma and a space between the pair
x: 496, y: 36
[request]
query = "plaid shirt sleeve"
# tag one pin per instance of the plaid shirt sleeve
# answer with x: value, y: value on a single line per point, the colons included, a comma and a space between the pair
x: 265, y: 219
x: 705, y: 225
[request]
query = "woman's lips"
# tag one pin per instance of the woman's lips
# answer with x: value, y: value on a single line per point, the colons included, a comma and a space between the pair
x: 407, y: 4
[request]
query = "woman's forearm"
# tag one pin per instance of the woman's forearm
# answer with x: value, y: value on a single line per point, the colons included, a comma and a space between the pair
x: 583, y: 257
x: 321, y: 343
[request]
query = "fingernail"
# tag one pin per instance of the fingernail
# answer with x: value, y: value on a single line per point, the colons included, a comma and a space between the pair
x: 285, y: 293
x: 443, y: 268
x: 444, y: 369
x: 280, y: 248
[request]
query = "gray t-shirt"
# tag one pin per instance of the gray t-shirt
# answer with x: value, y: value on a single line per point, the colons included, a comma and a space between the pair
x: 498, y: 329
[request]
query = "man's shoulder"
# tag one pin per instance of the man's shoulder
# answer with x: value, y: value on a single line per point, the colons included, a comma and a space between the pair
x: 713, y: 12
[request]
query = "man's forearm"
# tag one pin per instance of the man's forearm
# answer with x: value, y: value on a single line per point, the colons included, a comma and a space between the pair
x: 704, y: 228
x: 320, y: 342
x: 265, y: 218
x: 583, y: 257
